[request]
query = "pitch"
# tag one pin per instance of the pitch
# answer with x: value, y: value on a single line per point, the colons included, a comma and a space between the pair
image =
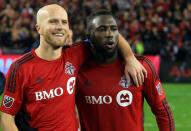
x: 178, y: 97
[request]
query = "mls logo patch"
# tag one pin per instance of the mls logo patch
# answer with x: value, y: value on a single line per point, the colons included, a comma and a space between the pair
x: 69, y: 68
x: 8, y: 101
x: 159, y: 88
x: 124, y: 82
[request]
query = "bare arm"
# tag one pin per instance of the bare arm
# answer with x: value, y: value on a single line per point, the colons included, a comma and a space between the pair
x: 8, y: 122
x: 133, y: 67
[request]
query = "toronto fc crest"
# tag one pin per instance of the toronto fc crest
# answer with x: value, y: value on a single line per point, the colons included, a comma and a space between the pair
x: 69, y: 68
x: 124, y: 82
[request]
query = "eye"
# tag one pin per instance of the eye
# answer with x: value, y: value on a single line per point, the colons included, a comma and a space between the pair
x: 114, y: 28
x: 53, y: 21
x: 101, y: 29
x: 64, y: 22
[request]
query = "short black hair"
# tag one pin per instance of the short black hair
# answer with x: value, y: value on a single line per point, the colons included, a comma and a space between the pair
x: 93, y: 15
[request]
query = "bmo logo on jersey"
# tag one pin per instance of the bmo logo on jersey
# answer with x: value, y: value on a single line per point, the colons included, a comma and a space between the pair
x: 98, y: 99
x: 124, y: 98
x: 59, y: 91
x: 49, y: 94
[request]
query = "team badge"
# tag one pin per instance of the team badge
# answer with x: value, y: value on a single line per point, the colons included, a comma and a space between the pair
x: 159, y: 88
x: 124, y: 82
x: 69, y: 68
x: 8, y: 101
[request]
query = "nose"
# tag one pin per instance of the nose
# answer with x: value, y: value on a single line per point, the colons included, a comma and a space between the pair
x: 59, y: 26
x: 109, y: 33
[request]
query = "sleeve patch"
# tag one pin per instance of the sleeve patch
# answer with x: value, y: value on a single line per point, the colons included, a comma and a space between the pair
x: 159, y: 88
x: 8, y: 101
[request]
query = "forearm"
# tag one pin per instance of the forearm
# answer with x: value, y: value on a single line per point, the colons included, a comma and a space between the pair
x: 8, y: 122
x: 133, y: 67
x: 164, y: 117
x: 125, y: 48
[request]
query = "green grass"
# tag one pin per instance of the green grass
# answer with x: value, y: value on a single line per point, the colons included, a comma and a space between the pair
x: 178, y: 97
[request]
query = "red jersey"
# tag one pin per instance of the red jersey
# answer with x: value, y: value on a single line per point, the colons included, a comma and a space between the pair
x: 45, y: 89
x: 106, y: 101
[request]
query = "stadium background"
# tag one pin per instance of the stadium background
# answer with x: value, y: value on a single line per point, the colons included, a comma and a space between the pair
x: 160, y: 29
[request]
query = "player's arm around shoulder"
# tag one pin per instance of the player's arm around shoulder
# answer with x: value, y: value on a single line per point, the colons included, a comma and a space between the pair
x: 133, y: 67
x: 7, y: 122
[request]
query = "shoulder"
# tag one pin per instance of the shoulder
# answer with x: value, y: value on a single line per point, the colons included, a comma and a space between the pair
x: 21, y: 61
x: 75, y: 45
x: 144, y: 61
x: 147, y: 63
x: 77, y: 48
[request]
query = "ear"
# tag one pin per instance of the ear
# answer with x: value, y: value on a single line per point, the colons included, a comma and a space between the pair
x: 38, y: 28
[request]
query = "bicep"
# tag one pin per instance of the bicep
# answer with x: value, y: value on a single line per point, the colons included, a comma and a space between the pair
x: 155, y: 96
x: 12, y: 96
x: 80, y: 52
x: 153, y: 90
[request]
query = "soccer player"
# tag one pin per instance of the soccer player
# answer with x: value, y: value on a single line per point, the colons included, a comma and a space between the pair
x: 106, y: 100
x: 42, y: 82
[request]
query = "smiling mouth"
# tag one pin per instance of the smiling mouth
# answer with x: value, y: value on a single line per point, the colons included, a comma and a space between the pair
x: 58, y: 34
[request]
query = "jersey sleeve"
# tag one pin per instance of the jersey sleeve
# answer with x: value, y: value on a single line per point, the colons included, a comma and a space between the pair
x: 80, y: 51
x: 155, y: 96
x: 13, y: 92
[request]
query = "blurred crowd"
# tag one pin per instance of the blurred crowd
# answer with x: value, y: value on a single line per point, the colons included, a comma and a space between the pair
x: 151, y: 26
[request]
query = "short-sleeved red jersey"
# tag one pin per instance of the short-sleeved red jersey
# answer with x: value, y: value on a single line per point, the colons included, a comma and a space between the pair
x: 106, y: 101
x: 45, y: 89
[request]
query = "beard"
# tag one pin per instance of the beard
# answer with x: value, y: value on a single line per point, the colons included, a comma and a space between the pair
x: 53, y: 41
x: 105, y: 53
